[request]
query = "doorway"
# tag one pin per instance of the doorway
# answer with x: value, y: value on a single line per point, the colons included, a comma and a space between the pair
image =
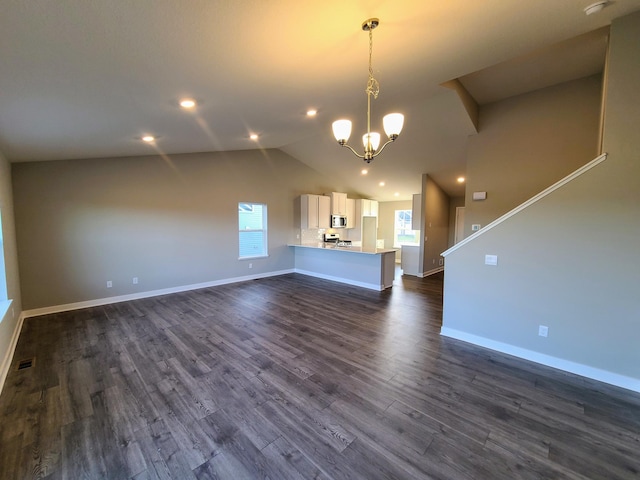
x: 459, y: 234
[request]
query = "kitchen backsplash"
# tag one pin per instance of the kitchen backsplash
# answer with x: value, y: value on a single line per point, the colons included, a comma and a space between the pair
x: 311, y: 235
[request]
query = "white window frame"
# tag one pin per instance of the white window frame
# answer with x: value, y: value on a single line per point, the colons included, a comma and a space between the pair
x: 397, y: 244
x: 265, y: 246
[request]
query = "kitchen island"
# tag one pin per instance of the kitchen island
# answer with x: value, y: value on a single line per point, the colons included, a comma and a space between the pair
x: 367, y: 268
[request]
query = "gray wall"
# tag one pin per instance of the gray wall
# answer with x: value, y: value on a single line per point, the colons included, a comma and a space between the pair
x: 570, y: 261
x: 9, y: 323
x: 436, y: 223
x: 529, y: 142
x: 169, y: 221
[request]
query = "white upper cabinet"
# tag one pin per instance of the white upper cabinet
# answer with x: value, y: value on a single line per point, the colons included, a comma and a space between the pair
x: 364, y: 208
x: 338, y: 203
x: 369, y: 208
x: 324, y: 212
x: 373, y: 208
x: 314, y: 211
x: 351, y: 213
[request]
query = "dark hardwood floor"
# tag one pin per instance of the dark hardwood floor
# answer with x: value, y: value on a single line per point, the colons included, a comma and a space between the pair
x: 295, y: 377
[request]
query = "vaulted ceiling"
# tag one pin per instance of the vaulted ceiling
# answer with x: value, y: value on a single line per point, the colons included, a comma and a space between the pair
x: 87, y: 79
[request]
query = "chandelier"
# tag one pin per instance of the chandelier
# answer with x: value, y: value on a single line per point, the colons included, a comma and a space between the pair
x: 392, y: 122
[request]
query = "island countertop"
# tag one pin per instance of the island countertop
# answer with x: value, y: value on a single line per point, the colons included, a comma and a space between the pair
x: 350, y: 248
x: 369, y: 268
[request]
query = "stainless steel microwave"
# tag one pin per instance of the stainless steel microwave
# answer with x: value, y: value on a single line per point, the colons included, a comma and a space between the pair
x: 338, y: 221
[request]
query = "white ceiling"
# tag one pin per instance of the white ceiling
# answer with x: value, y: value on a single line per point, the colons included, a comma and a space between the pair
x: 86, y: 79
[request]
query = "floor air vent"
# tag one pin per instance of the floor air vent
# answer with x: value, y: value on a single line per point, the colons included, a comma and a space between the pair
x: 28, y: 363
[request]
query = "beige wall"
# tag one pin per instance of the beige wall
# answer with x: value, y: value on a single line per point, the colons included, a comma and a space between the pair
x: 8, y: 324
x: 386, y: 221
x: 169, y: 221
x: 569, y: 261
x: 529, y: 142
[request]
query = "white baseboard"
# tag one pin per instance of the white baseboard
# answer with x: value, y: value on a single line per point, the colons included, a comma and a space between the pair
x: 431, y: 272
x: 370, y: 286
x: 153, y: 293
x: 8, y: 355
x: 593, y: 373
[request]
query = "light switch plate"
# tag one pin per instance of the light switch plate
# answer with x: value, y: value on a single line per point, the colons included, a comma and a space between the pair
x: 479, y: 195
x: 491, y: 260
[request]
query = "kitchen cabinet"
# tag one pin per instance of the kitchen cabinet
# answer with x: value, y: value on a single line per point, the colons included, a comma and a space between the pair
x: 374, y: 208
x: 351, y: 213
x: 324, y: 212
x: 368, y: 208
x: 364, y: 209
x: 315, y: 211
x: 338, y: 203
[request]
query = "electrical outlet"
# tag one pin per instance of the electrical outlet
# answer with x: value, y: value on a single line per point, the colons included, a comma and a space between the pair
x: 491, y: 260
x: 251, y: 265
x: 475, y: 227
x: 109, y: 284
x: 135, y: 280
x: 543, y: 330
x: 441, y: 261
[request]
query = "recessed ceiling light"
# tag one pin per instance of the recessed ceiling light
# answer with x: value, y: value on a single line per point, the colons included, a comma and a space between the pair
x: 364, y: 171
x: 381, y: 184
x: 148, y: 138
x: 397, y: 194
x: 460, y: 179
x: 187, y: 103
x: 253, y: 136
x: 312, y: 112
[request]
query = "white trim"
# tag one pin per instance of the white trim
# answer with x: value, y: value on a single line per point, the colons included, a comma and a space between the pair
x: 370, y: 286
x: 4, y: 308
x: 8, y: 356
x: 531, y: 201
x: 593, y: 373
x: 153, y: 293
x: 431, y: 272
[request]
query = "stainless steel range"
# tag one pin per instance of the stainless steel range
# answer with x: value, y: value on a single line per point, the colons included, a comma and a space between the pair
x: 335, y: 239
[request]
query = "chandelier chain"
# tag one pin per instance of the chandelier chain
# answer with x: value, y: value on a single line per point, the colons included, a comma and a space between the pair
x: 373, y: 87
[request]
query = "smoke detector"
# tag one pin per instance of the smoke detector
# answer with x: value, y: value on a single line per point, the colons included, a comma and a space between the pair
x: 596, y: 7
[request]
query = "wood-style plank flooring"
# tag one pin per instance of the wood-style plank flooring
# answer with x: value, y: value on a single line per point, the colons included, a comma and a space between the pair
x: 293, y: 377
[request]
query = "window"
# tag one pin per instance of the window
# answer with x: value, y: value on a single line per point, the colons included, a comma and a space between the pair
x: 402, y: 233
x: 252, y: 227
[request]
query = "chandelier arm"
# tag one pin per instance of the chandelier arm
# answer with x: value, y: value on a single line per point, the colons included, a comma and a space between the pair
x: 351, y: 148
x: 379, y: 151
